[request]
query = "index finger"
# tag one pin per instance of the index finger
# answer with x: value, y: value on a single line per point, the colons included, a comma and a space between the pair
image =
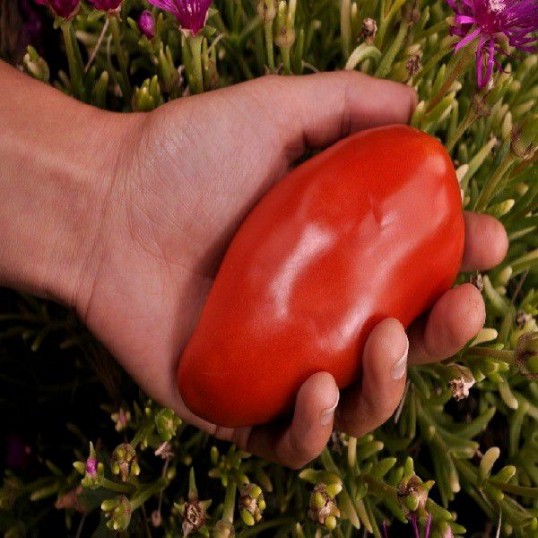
x: 486, y: 242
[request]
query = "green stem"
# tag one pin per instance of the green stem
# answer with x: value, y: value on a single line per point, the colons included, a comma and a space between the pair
x: 142, y: 433
x: 73, y: 60
x: 286, y: 60
x: 229, y: 502
x: 352, y: 452
x: 469, y: 119
x: 493, y: 184
x: 386, y: 18
x: 345, y: 27
x: 504, y: 355
x: 260, y: 527
x: 115, y: 486
x: 388, y: 58
x: 463, y: 61
x: 268, y: 31
x: 140, y: 498
x: 122, y: 59
x: 196, y: 78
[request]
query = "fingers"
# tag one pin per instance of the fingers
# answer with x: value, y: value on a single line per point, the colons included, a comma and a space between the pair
x: 384, y: 364
x: 317, y: 110
x: 457, y: 317
x: 486, y: 242
x: 308, y: 434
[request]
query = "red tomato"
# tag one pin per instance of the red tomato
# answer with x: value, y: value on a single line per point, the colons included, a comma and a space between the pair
x: 368, y: 229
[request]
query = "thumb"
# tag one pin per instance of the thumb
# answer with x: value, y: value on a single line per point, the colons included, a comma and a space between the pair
x: 316, y: 110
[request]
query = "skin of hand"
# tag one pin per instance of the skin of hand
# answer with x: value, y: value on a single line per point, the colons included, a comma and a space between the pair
x: 145, y: 205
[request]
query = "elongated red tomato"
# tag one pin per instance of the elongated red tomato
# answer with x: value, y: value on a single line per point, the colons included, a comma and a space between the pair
x: 368, y: 229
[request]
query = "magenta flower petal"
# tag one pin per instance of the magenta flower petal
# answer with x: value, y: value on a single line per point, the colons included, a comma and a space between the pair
x: 63, y: 8
x: 494, y: 22
x: 191, y: 14
x: 106, y: 5
x: 146, y: 24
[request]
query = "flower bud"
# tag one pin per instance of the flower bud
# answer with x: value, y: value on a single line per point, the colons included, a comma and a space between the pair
x: 194, y: 517
x: 223, y: 529
x: 124, y: 462
x: 251, y: 504
x: 322, y: 507
x: 522, y: 318
x: 66, y: 9
x: 146, y: 24
x: 35, y: 66
x: 413, y: 494
x: 526, y: 354
x: 267, y: 10
x: 92, y: 469
x: 121, y: 419
x: 118, y: 512
x: 461, y: 383
x: 167, y: 422
x: 110, y: 6
x: 525, y: 138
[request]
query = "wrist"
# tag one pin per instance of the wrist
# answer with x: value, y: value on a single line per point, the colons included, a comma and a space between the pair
x: 58, y: 161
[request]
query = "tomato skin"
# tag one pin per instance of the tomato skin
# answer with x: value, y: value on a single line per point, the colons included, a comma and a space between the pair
x: 368, y: 229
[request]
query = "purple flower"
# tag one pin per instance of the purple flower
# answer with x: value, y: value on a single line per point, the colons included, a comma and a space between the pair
x: 106, y: 5
x: 146, y: 24
x: 497, y: 24
x: 91, y: 467
x: 63, y: 8
x: 191, y: 14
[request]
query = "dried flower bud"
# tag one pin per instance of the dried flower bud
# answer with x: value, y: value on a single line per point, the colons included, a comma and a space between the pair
x: 72, y: 501
x: 522, y: 318
x: 121, y: 419
x: 413, y: 64
x: 477, y: 281
x: 413, y: 494
x: 156, y: 518
x: 164, y: 451
x: 369, y: 30
x: 146, y: 24
x: 266, y: 10
x: 462, y: 381
x: 118, y: 512
x: 526, y: 354
x: 481, y: 106
x: 124, y: 462
x: 322, y: 507
x: 194, y: 516
x: 251, y: 504
x: 460, y: 388
x: 223, y: 529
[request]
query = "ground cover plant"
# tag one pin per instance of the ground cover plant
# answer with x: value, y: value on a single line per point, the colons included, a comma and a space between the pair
x: 85, y: 453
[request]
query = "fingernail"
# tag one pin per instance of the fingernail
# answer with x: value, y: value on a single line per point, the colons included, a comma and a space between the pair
x: 400, y: 367
x: 327, y: 415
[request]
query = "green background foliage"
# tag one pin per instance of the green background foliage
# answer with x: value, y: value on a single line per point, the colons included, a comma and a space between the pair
x: 463, y: 464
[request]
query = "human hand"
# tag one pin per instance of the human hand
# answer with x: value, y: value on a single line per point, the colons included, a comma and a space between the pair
x: 189, y: 174
x: 173, y: 187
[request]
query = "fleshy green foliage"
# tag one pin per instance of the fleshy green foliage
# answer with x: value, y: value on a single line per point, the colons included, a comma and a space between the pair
x: 462, y: 449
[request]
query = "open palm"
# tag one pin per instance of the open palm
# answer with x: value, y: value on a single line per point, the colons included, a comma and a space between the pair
x: 187, y: 175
